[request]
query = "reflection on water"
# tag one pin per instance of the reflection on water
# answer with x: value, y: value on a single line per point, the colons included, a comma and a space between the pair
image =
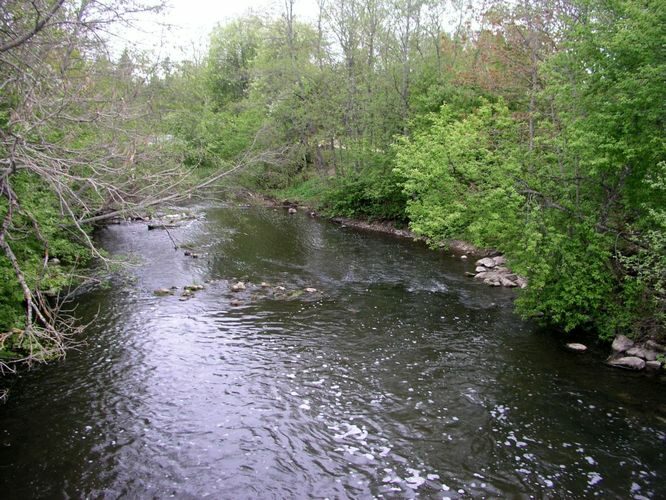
x: 398, y: 378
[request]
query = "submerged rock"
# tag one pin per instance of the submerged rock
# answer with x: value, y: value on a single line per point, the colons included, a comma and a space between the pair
x: 576, y: 347
x: 238, y: 287
x: 311, y: 290
x: 628, y: 363
x: 194, y: 288
x: 292, y: 210
x: 160, y: 292
x: 621, y: 343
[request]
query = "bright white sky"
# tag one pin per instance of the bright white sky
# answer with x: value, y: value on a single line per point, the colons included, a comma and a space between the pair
x: 192, y: 21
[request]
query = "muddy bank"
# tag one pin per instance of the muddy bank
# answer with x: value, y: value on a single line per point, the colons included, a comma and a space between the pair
x: 458, y: 247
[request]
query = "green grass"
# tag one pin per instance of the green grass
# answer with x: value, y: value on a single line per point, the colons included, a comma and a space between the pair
x: 310, y: 191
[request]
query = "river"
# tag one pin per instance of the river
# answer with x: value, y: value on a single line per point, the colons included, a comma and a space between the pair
x: 398, y: 378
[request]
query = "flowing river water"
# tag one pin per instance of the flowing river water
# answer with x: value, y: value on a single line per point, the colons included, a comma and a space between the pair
x: 398, y: 378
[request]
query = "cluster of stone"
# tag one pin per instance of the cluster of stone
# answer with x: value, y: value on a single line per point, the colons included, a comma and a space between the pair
x: 632, y: 356
x: 493, y: 272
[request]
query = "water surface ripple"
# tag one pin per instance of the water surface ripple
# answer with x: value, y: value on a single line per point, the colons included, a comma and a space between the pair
x: 399, y: 378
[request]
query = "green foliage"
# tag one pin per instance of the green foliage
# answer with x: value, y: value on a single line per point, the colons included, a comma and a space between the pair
x: 375, y: 193
x: 646, y: 265
x: 604, y: 180
x: 308, y: 190
x: 460, y: 176
x: 209, y: 137
x: 373, y: 196
x: 233, y: 48
x: 38, y: 201
x: 571, y: 283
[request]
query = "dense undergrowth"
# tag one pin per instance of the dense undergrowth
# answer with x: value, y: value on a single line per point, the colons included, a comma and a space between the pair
x: 48, y: 269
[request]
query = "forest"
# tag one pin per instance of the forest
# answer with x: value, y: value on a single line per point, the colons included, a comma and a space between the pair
x: 533, y: 127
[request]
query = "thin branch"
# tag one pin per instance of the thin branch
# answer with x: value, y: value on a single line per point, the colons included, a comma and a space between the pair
x: 39, y: 26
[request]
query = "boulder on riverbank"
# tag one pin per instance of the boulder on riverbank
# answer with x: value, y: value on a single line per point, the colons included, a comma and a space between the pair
x: 630, y: 355
x: 622, y: 343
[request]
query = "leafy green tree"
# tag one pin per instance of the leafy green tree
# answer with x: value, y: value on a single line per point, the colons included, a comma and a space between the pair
x: 460, y: 176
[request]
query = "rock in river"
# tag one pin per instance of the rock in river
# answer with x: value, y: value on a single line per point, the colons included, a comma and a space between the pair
x: 576, y: 347
x: 194, y: 288
x: 238, y: 287
x: 628, y: 363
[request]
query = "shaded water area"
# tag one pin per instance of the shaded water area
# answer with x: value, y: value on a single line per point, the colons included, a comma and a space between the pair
x: 398, y: 378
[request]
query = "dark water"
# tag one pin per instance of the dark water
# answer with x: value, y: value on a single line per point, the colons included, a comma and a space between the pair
x: 399, y: 378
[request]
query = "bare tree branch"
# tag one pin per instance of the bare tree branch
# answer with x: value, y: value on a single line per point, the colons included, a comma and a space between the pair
x: 40, y: 24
